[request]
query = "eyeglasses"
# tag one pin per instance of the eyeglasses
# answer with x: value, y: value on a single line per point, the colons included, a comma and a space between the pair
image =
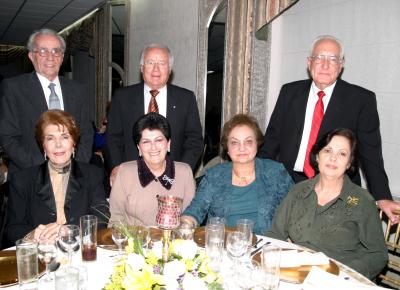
x: 235, y: 144
x: 57, y: 52
x: 152, y: 63
x: 332, y: 59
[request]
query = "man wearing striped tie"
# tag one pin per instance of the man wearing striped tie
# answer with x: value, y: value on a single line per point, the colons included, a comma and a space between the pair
x: 25, y: 97
x: 306, y: 110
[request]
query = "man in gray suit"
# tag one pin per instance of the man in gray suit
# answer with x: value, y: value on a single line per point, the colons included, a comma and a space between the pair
x: 177, y: 104
x: 24, y: 98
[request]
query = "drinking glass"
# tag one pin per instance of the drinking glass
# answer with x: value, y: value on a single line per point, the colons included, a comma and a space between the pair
x: 118, y: 236
x: 245, y: 226
x: 185, y: 231
x: 214, y: 245
x: 236, y: 245
x: 27, y: 264
x: 67, y: 279
x: 69, y: 240
x: 47, y: 252
x: 88, y: 235
x: 270, y: 261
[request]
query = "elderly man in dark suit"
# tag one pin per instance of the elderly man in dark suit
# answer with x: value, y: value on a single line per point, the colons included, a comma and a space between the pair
x: 177, y: 104
x: 308, y: 109
x: 25, y: 97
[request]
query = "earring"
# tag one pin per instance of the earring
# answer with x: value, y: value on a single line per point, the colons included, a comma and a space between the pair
x: 168, y: 150
x: 73, y: 154
x: 140, y: 154
x: 45, y: 155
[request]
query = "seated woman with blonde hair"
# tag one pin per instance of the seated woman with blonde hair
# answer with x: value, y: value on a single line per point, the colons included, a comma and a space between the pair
x: 247, y: 187
x: 133, y: 197
x: 59, y: 191
x: 330, y: 213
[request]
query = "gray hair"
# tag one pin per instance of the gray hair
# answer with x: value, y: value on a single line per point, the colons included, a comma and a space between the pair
x: 157, y: 45
x: 44, y: 31
x: 328, y: 37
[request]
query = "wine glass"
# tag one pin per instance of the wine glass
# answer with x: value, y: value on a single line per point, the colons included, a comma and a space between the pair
x: 236, y: 246
x: 47, y: 252
x: 69, y: 240
x: 118, y: 236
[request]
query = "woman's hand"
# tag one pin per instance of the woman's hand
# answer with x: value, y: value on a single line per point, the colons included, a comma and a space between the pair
x: 186, y: 219
x: 46, y: 232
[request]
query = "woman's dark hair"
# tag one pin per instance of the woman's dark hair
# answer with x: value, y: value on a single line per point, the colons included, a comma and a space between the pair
x: 58, y: 118
x: 241, y: 120
x: 344, y: 132
x: 151, y: 121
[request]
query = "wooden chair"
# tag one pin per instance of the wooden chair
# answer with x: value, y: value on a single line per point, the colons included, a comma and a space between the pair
x: 390, y: 276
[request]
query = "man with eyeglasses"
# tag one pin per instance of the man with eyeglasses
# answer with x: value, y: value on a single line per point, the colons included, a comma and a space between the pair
x: 25, y: 97
x: 177, y: 104
x: 308, y: 109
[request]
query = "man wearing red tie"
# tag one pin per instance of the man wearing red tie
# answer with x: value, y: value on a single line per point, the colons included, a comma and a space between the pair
x: 177, y: 104
x: 308, y: 109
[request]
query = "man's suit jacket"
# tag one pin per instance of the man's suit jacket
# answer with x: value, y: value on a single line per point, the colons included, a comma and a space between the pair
x: 31, y: 200
x: 183, y: 116
x: 22, y: 103
x: 351, y: 107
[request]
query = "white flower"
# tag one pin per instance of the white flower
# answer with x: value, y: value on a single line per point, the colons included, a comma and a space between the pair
x: 157, y: 249
x: 187, y: 249
x: 170, y: 283
x: 193, y: 283
x: 174, y: 269
x: 135, y: 261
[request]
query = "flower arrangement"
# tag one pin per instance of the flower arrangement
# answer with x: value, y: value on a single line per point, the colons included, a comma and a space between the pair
x: 141, y: 269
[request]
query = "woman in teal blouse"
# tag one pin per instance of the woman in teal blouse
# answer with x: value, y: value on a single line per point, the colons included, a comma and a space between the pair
x: 247, y: 187
x: 331, y: 214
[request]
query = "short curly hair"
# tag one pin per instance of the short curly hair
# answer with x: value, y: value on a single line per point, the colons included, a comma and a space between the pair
x: 151, y: 121
x: 241, y: 120
x: 344, y: 132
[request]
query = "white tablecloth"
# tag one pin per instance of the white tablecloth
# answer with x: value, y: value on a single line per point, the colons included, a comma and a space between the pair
x: 100, y: 270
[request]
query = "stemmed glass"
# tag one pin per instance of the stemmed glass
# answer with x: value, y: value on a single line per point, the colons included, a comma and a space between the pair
x: 236, y: 245
x: 47, y: 252
x: 68, y: 240
x: 118, y: 236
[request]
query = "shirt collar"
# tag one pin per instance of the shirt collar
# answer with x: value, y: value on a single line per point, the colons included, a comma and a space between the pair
x: 146, y: 176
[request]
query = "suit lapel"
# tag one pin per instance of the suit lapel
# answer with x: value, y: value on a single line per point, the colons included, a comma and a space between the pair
x: 172, y: 105
x: 45, y: 192
x: 74, y: 185
x: 35, y: 95
x: 299, y: 110
x: 68, y: 97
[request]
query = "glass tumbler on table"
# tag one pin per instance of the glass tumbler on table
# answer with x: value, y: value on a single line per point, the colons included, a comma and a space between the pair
x: 245, y: 226
x: 68, y: 240
x: 88, y: 236
x: 215, y: 245
x: 270, y: 262
x: 27, y: 264
x: 236, y: 246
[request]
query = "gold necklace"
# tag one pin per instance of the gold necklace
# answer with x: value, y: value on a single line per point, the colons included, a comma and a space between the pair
x: 243, y: 180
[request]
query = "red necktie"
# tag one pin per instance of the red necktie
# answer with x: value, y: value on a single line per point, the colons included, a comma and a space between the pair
x: 153, y: 107
x: 316, y: 124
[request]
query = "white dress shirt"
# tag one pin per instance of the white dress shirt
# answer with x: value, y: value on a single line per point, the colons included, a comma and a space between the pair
x: 45, y: 86
x: 312, y: 101
x: 161, y: 99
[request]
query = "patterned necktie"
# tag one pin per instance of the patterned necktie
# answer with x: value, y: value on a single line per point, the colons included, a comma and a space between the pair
x: 316, y: 124
x: 54, y: 101
x: 153, y: 107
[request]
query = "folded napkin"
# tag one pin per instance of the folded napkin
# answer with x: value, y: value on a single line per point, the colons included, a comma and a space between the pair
x: 295, y: 258
x: 319, y: 279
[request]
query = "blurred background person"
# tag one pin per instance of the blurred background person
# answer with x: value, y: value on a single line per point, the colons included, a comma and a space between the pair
x: 247, y: 187
x: 137, y: 184
x: 330, y: 213
x: 60, y: 190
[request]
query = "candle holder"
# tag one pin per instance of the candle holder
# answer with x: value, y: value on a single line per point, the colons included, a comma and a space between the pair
x: 169, y: 212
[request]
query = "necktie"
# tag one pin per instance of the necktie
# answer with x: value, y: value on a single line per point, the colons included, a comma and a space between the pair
x: 316, y: 124
x: 54, y: 101
x: 153, y: 107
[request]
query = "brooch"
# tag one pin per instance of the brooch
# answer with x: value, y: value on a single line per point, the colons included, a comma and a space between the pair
x: 351, y: 200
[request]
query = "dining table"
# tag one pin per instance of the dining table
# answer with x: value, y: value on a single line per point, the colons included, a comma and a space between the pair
x: 99, y: 271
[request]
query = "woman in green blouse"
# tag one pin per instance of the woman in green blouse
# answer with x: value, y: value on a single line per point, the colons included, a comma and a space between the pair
x: 331, y: 214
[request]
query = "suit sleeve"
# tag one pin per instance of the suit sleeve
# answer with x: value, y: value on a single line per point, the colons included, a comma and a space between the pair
x: 272, y: 138
x: 114, y: 144
x: 193, y: 142
x: 370, y: 149
x: 84, y: 148
x: 98, y: 203
x: 18, y: 224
